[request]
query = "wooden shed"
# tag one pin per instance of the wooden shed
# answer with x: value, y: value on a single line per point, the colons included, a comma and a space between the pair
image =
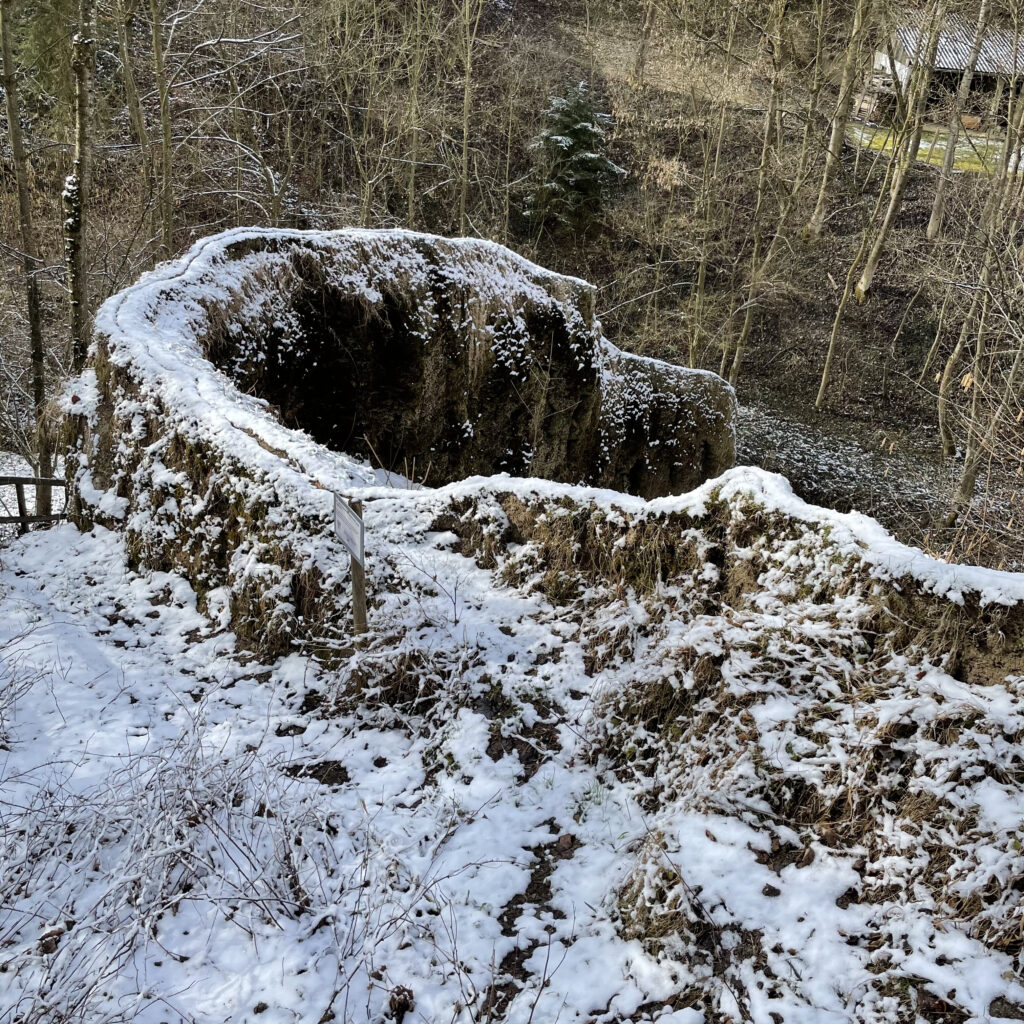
x: 1000, y: 61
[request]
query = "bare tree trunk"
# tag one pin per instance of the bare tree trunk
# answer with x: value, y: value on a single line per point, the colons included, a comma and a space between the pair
x: 640, y: 64
x: 978, y: 443
x: 949, y: 370
x: 76, y: 187
x: 755, y: 256
x: 125, y: 17
x: 1012, y: 153
x: 953, y: 130
x: 470, y: 26
x: 990, y: 221
x: 29, y: 254
x: 904, y: 160
x: 163, y: 94
x: 418, y: 57
x: 707, y: 200
x: 768, y: 150
x: 937, y: 339
x: 817, y: 81
x: 841, y: 117
x: 826, y: 373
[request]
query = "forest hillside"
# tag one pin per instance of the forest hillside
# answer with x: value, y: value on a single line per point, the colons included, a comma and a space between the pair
x: 511, y: 512
x: 700, y: 161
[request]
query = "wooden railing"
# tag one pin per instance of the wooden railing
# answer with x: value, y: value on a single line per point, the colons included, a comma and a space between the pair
x: 23, y: 519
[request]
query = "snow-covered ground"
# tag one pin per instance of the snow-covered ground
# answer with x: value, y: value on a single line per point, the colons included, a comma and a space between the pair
x: 901, y: 480
x: 715, y: 757
x: 522, y: 799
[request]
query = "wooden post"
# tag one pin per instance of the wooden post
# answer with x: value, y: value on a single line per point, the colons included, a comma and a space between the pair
x: 358, y: 585
x: 348, y: 528
x: 22, y: 510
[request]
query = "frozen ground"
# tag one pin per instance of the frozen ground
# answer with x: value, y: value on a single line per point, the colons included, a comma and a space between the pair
x: 716, y: 757
x: 523, y: 799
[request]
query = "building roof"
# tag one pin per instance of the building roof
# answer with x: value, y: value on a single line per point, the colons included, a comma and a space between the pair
x: 1001, y: 52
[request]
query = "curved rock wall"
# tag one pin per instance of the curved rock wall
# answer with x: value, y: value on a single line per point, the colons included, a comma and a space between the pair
x: 230, y: 389
x: 446, y: 359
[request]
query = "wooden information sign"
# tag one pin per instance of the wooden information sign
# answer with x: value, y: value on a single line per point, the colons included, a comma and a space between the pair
x: 348, y: 526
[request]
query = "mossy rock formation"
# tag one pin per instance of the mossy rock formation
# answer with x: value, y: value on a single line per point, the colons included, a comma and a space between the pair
x: 251, y: 371
x: 452, y: 358
x: 439, y: 358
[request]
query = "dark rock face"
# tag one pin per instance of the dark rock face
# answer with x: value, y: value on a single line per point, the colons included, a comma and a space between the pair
x: 451, y: 359
x: 665, y: 429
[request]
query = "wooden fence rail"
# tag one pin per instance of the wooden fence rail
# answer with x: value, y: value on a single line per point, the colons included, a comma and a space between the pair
x: 23, y: 519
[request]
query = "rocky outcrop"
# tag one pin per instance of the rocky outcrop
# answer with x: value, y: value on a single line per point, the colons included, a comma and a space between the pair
x: 444, y: 359
x: 231, y: 391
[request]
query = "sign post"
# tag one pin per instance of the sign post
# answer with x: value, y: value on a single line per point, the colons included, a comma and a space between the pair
x: 348, y: 526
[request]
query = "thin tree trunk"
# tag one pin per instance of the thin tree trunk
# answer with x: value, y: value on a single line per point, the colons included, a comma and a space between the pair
x: 953, y: 130
x: 508, y: 169
x: 163, y: 94
x: 980, y: 444
x: 1012, y: 153
x: 640, y: 64
x: 76, y: 187
x: 30, y: 255
x: 840, y: 118
x: 755, y: 256
x: 709, y: 177
x: 418, y: 57
x: 949, y: 370
x: 937, y: 340
x: 767, y: 151
x: 904, y: 161
x: 826, y: 373
x: 470, y: 25
x: 125, y: 17
x: 817, y: 81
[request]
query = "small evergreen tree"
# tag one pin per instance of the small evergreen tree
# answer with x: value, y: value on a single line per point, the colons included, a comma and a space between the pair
x: 576, y: 175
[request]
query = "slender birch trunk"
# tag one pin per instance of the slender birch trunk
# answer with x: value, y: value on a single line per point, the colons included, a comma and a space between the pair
x: 953, y: 129
x: 29, y: 254
x: 76, y: 187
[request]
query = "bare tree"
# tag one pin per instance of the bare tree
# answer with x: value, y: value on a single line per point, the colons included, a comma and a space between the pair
x: 909, y: 144
x: 166, y: 184
x: 76, y: 187
x: 31, y: 263
x: 469, y: 17
x: 851, y: 72
x: 953, y: 128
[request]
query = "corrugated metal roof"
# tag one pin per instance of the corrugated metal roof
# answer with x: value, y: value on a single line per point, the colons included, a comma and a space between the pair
x: 1001, y: 53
